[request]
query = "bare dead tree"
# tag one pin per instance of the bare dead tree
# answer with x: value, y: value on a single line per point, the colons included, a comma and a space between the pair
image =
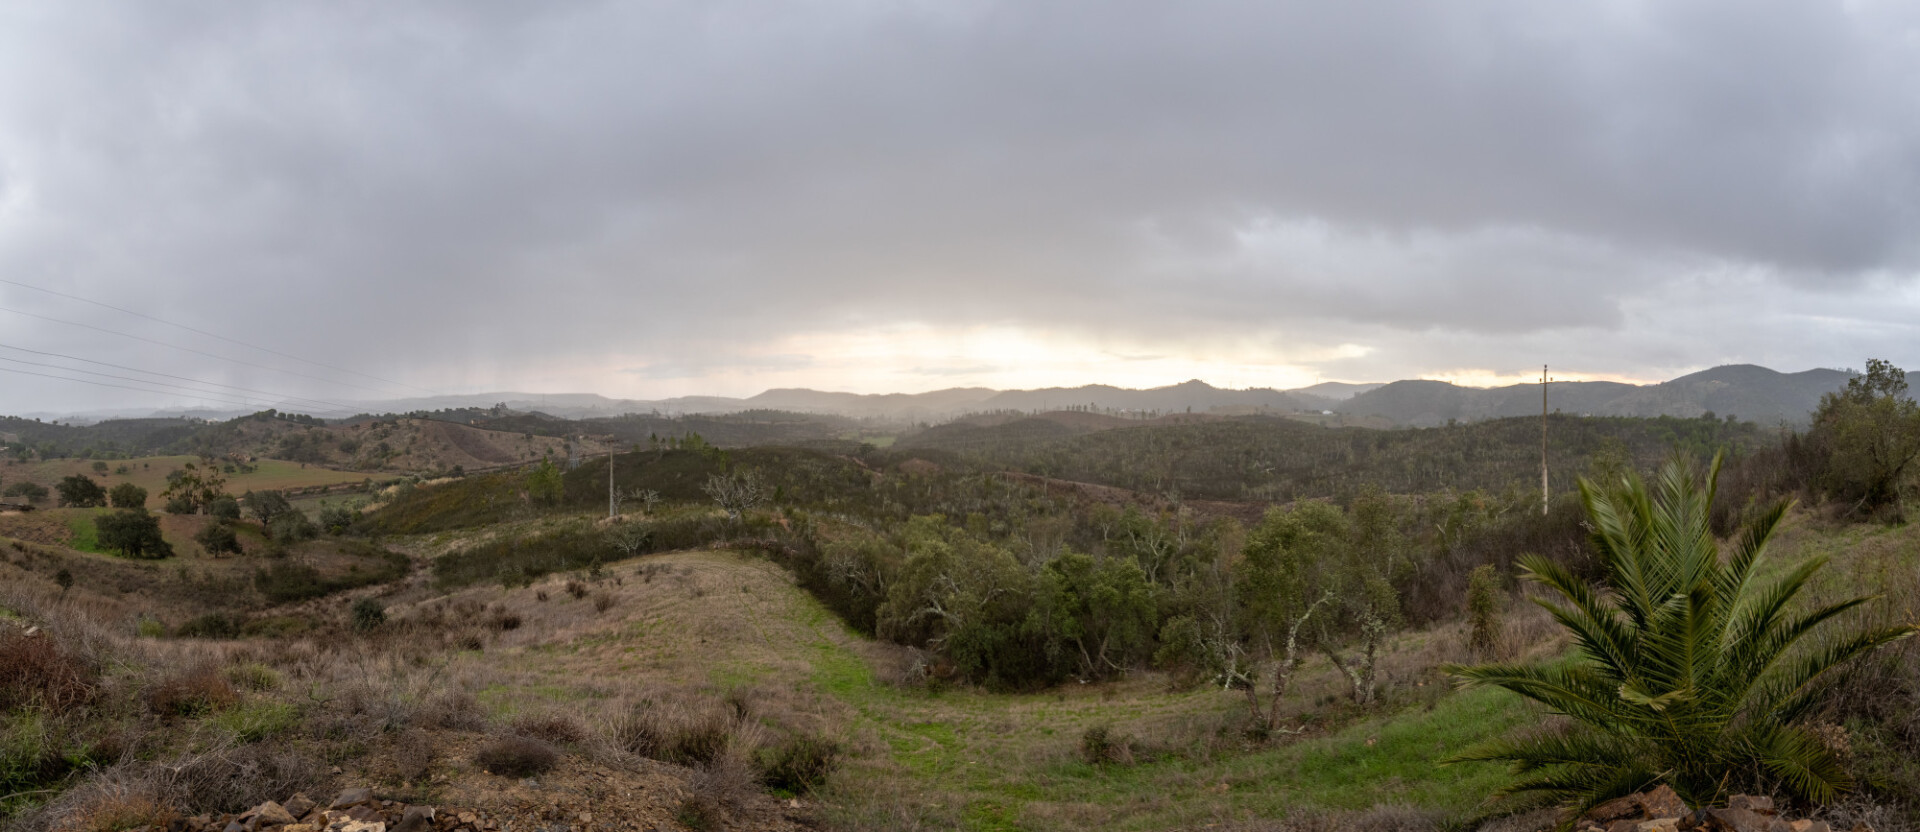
x: 736, y: 492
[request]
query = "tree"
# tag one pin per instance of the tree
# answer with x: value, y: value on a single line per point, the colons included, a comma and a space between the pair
x: 265, y: 505
x: 133, y: 533
x: 1483, y: 610
x: 737, y: 492
x: 629, y: 538
x: 292, y: 526
x: 335, y: 520
x: 1869, y: 434
x: 192, y: 489
x: 127, y: 495
x: 218, y: 539
x: 80, y: 491
x: 32, y: 491
x: 1103, y: 609
x: 224, y: 508
x: 545, y: 484
x: 1686, y: 670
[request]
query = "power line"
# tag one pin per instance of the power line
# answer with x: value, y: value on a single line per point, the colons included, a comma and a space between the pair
x: 188, y: 349
x: 230, y: 398
x: 104, y: 384
x: 216, y: 337
x: 268, y: 393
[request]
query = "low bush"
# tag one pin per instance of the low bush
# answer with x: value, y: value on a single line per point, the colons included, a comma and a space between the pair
x: 555, y: 729
x: 516, y: 756
x: 368, y: 614
x: 257, y: 721
x: 1100, y: 746
x: 211, y: 625
x: 120, y: 806
x: 800, y: 763
x: 675, y: 734
x: 36, y: 671
x: 253, y: 676
x: 198, y: 691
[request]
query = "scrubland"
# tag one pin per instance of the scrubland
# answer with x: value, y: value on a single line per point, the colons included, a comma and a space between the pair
x: 499, y: 645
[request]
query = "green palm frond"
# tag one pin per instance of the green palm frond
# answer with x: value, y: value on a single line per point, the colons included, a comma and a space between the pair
x: 1802, y: 762
x: 1688, y: 669
x: 1792, y: 691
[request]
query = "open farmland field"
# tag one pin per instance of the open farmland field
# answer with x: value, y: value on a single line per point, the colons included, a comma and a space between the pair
x: 150, y: 473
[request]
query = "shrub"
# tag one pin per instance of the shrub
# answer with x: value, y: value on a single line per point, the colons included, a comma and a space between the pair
x: 502, y: 620
x: 1483, y: 609
x: 211, y: 625
x: 218, y: 539
x: 337, y: 519
x: 35, y: 671
x: 555, y: 729
x: 283, y: 582
x: 576, y: 589
x: 516, y: 756
x: 196, y: 692
x: 800, y: 763
x: 254, y: 676
x: 368, y: 614
x: 292, y: 526
x: 674, y: 734
x: 259, y: 720
x: 602, y: 602
x: 1100, y: 746
x: 119, y: 806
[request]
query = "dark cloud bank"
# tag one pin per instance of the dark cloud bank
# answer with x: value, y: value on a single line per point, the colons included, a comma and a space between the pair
x: 711, y: 195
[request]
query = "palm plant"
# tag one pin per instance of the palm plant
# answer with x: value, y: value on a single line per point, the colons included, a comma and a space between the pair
x: 1689, y: 669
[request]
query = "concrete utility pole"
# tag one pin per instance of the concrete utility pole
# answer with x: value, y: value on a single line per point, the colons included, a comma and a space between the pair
x: 1544, y: 494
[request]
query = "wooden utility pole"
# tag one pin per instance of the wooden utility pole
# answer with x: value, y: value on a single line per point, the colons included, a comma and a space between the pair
x: 1544, y: 494
x: 613, y: 506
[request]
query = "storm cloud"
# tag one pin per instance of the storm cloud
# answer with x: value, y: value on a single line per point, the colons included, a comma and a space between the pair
x: 651, y: 199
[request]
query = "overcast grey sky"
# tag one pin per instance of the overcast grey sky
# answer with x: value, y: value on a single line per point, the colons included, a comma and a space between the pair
x: 656, y: 199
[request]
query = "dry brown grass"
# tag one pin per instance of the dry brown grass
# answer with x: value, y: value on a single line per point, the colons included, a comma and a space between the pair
x: 200, y: 690
x: 553, y: 728
x: 118, y: 807
x: 37, y: 671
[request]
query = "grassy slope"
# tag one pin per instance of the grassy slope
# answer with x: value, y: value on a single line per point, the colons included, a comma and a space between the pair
x: 970, y: 759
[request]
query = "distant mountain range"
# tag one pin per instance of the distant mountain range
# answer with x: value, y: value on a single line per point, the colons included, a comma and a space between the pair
x: 1749, y: 392
x: 1753, y: 394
